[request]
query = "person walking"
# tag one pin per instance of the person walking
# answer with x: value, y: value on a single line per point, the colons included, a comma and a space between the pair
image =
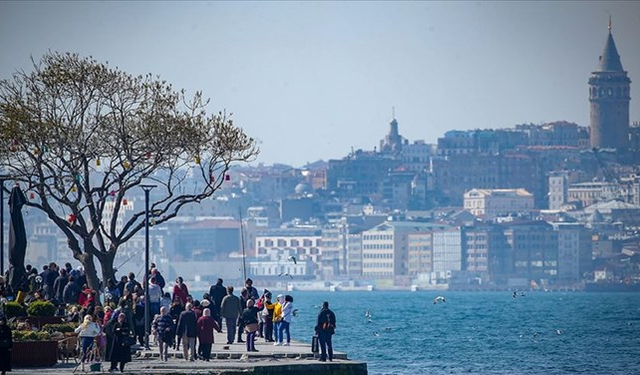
x: 188, y: 330
x: 120, y: 347
x: 206, y: 325
x: 230, y: 310
x: 6, y: 345
x: 166, y: 330
x: 325, y: 328
x: 87, y: 331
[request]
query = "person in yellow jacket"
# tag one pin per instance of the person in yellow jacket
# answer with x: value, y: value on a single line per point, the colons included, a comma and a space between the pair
x: 277, y: 318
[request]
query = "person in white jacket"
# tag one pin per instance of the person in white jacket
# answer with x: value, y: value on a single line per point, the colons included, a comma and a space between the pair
x: 287, y: 314
x: 87, y: 331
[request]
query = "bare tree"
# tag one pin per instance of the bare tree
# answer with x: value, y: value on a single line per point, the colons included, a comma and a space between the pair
x: 80, y: 136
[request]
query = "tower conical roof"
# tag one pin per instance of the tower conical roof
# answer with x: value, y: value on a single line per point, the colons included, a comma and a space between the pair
x: 610, y: 60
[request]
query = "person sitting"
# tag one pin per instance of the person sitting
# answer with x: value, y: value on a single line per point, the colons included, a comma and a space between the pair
x: 73, y: 316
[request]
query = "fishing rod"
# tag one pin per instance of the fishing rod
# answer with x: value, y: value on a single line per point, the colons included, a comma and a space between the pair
x: 244, y: 255
x: 125, y: 262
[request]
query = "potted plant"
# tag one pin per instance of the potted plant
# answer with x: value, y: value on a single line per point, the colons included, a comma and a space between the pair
x: 14, y: 309
x: 66, y: 329
x: 33, y: 349
x: 41, y: 313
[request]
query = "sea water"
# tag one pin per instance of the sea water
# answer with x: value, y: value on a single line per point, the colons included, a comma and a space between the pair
x: 481, y: 332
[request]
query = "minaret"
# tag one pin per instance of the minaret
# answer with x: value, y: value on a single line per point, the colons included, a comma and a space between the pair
x: 609, y: 99
x: 392, y: 142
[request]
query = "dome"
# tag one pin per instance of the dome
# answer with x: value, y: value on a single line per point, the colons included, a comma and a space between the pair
x: 302, y: 188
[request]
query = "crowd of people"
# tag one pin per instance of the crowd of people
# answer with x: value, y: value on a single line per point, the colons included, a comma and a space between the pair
x: 177, y: 319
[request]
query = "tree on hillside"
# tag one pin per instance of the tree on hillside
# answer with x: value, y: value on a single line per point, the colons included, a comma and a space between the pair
x: 79, y: 137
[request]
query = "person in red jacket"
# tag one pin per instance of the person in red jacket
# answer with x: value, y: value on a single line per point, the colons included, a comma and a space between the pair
x: 180, y: 290
x: 206, y: 325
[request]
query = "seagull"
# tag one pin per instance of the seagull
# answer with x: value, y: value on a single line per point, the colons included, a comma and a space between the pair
x: 559, y: 331
x: 286, y: 274
x: 367, y: 314
x: 522, y: 294
x: 515, y: 294
x: 376, y: 334
x: 293, y: 259
x: 438, y: 299
x: 294, y: 312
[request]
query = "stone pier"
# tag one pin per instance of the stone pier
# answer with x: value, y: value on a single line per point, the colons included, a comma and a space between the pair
x: 226, y: 359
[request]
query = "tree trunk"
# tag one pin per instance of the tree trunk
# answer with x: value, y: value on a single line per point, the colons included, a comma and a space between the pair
x: 90, y: 270
x: 106, y: 262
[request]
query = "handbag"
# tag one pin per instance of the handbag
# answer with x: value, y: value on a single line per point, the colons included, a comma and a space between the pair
x: 315, y: 344
x: 251, y: 327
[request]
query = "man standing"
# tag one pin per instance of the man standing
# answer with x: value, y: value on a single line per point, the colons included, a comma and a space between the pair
x: 155, y: 293
x: 217, y: 292
x: 165, y: 328
x: 252, y: 292
x: 188, y: 330
x: 230, y: 310
x: 325, y: 328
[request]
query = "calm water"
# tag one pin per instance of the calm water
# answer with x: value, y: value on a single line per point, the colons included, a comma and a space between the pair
x: 481, y: 333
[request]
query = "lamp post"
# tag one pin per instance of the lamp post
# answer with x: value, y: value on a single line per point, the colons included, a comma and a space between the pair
x: 147, y: 189
x: 3, y: 178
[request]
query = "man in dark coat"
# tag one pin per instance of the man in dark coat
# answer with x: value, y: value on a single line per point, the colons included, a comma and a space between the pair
x: 71, y: 291
x: 325, y: 328
x: 58, y: 285
x: 6, y: 343
x: 217, y: 292
x: 120, y: 347
x: 188, y: 330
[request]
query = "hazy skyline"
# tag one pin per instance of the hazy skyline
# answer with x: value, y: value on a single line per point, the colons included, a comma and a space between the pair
x: 312, y: 80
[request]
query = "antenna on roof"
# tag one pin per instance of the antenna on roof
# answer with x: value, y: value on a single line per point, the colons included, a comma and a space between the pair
x: 393, y: 112
x: 609, y: 23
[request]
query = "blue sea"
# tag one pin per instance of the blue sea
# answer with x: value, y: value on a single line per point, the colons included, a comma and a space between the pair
x: 481, y: 332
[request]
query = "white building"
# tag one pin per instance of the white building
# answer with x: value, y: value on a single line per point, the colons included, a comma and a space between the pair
x: 447, y: 250
x: 304, y: 243
x: 498, y: 202
x: 385, y: 248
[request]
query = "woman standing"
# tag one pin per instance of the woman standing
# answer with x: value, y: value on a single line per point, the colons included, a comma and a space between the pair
x: 180, y: 290
x: 87, y: 331
x: 277, y: 319
x: 287, y: 313
x: 249, y: 319
x: 120, y: 347
x: 6, y: 343
x: 206, y: 325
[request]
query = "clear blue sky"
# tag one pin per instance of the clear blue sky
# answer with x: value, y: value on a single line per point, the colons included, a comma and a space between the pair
x: 311, y: 80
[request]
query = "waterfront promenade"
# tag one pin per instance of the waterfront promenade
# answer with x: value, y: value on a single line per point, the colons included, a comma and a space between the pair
x: 226, y: 359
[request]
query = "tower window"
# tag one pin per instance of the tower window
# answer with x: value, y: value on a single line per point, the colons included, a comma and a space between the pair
x: 601, y: 91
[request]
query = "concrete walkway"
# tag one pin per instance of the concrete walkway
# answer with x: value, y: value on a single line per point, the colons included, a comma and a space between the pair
x: 228, y: 360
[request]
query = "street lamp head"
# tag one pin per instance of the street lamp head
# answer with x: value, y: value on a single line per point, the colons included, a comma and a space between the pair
x: 147, y: 187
